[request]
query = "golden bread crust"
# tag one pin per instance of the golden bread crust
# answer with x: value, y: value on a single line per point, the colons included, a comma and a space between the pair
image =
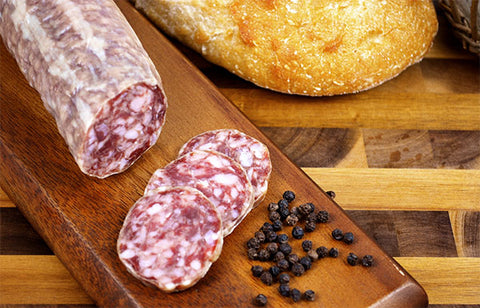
x: 315, y: 47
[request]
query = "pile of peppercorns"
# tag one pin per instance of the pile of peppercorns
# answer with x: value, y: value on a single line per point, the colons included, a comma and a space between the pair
x: 269, y: 245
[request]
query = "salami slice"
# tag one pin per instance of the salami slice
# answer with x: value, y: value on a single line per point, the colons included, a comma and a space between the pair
x: 170, y: 238
x: 217, y: 176
x: 93, y: 76
x: 250, y: 153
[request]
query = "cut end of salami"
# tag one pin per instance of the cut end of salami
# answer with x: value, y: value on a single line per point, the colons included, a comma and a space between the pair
x: 250, y: 153
x: 93, y: 75
x: 124, y: 129
x: 170, y: 238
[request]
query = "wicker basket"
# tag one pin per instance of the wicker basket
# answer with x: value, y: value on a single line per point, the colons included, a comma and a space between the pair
x: 464, y: 16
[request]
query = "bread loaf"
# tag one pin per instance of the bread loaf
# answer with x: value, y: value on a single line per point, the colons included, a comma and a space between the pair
x: 307, y: 47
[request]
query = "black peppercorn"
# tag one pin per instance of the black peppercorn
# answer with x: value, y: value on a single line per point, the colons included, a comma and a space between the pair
x: 270, y: 236
x: 331, y: 194
x: 307, y: 245
x: 274, y: 270
x: 267, y: 278
x: 352, y: 259
x: 260, y: 236
x: 311, y: 217
x: 277, y: 225
x: 297, y: 269
x: 367, y: 260
x: 307, y: 208
x: 274, y: 215
x: 310, y: 226
x: 306, y: 262
x: 313, y: 255
x: 266, y: 227
x: 337, y: 234
x: 273, y: 207
x: 263, y: 255
x: 257, y: 270
x: 282, y: 238
x: 348, y: 237
x: 309, y: 295
x: 283, y: 265
x: 289, y: 196
x: 333, y: 252
x: 282, y: 203
x: 272, y: 248
x: 322, y: 252
x: 292, y: 258
x: 284, y: 278
x: 297, y: 232
x: 322, y: 217
x: 278, y: 256
x: 253, y: 243
x: 260, y: 300
x: 284, y: 212
x: 285, y: 248
x: 291, y: 220
x: 296, y: 211
x: 284, y: 289
x: 252, y: 254
x: 295, y: 294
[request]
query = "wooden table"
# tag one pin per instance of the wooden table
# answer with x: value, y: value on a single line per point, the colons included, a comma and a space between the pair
x: 403, y: 159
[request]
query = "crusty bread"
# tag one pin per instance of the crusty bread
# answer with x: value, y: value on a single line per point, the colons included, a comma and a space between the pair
x: 307, y: 47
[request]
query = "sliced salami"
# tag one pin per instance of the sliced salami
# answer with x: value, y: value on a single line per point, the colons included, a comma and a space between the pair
x: 217, y: 176
x: 170, y: 238
x: 93, y: 76
x: 250, y: 153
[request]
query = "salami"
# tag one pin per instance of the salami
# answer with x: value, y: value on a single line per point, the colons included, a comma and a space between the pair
x: 217, y: 176
x: 93, y: 76
x: 170, y: 238
x: 250, y: 153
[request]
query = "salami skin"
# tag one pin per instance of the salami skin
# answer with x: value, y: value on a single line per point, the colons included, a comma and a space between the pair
x: 93, y: 76
x: 250, y: 153
x: 217, y: 176
x: 170, y: 238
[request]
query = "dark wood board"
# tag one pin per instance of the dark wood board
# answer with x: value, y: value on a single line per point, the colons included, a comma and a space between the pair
x: 80, y: 217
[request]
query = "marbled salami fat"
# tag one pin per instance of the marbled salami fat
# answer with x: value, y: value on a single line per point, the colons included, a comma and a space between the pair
x: 170, y: 238
x: 217, y: 176
x: 250, y: 153
x: 93, y: 76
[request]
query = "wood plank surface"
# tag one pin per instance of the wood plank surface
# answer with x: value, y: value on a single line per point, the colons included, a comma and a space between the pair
x: 38, y: 280
x: 403, y: 160
x: 45, y: 280
x: 373, y: 110
x: 447, y: 280
x: 4, y: 200
x: 400, y: 189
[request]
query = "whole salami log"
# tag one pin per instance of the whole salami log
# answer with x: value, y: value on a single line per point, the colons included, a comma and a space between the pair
x: 170, y: 238
x: 217, y: 176
x: 250, y: 153
x: 93, y: 76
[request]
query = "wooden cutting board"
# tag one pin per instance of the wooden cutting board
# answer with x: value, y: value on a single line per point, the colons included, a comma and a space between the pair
x: 80, y: 216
